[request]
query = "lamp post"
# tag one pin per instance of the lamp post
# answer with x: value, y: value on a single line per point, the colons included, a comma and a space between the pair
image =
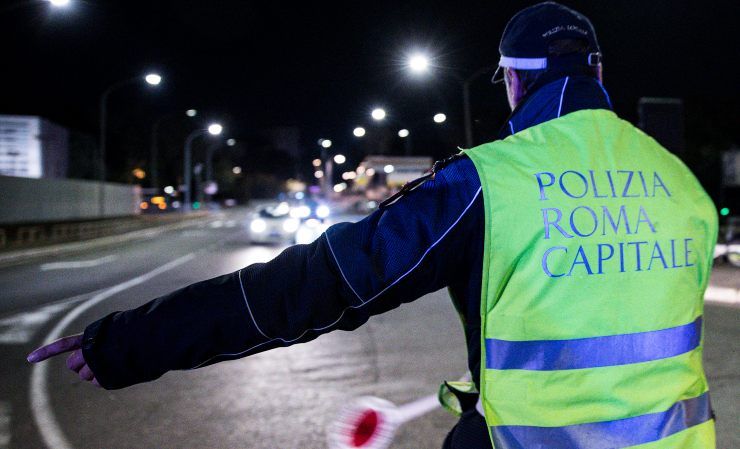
x: 213, y: 129
x: 154, y: 149
x: 419, y: 64
x: 152, y: 79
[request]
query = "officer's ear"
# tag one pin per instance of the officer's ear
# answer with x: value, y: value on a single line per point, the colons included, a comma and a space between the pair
x: 514, y: 89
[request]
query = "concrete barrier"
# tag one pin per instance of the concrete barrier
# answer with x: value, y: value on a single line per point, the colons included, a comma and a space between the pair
x: 26, y: 200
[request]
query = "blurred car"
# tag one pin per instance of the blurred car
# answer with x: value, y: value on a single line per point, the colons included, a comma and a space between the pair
x: 272, y: 224
x: 310, y: 230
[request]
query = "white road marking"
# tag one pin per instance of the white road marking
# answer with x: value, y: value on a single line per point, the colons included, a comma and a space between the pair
x: 20, y: 328
x: 43, y: 415
x: 78, y: 263
x: 4, y: 424
x: 722, y: 295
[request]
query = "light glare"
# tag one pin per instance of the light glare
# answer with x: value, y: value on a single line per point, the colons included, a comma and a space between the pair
x: 340, y: 159
x: 326, y: 143
x: 439, y: 118
x: 418, y: 63
x: 359, y: 131
x: 378, y: 114
x: 215, y: 129
x: 191, y: 112
x: 59, y: 2
x: 153, y: 79
x: 389, y: 168
x: 403, y: 133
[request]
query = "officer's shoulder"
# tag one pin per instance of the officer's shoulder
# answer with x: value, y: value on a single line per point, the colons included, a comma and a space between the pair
x: 447, y: 166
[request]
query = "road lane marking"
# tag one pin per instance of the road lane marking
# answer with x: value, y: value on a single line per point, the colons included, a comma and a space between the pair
x: 20, y: 328
x: 43, y: 415
x: 722, y: 295
x: 4, y: 424
x: 74, y: 264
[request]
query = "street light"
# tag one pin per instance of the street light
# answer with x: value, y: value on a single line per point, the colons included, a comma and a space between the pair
x: 153, y: 147
x: 340, y: 159
x: 325, y: 143
x: 359, y: 131
x: 418, y: 63
x: 59, y: 3
x: 439, y: 118
x: 403, y: 133
x: 191, y: 112
x: 378, y: 114
x: 213, y: 129
x: 153, y: 78
x: 231, y: 142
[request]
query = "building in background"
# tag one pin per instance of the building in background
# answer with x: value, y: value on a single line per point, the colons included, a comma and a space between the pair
x: 33, y: 147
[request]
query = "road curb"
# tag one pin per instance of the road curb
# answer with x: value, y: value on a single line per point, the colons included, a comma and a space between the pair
x: 20, y: 256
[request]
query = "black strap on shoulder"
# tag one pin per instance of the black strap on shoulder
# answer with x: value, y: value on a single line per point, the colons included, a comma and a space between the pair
x: 412, y: 185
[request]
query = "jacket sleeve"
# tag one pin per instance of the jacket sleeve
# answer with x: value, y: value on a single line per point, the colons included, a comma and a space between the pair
x: 353, y: 271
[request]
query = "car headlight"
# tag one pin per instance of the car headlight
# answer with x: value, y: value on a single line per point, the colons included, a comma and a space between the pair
x: 323, y: 211
x: 300, y: 212
x: 291, y: 225
x: 258, y: 225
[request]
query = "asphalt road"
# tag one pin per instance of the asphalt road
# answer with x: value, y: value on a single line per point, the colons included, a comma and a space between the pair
x: 281, y: 399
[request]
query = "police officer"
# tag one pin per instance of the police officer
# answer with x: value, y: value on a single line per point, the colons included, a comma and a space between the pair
x: 576, y: 249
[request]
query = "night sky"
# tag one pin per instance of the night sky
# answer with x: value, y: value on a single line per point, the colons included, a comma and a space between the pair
x: 322, y: 66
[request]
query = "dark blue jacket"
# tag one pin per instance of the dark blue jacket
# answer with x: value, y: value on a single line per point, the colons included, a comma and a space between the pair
x: 430, y: 237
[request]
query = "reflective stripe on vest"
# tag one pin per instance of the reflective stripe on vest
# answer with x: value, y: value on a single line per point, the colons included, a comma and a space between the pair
x: 609, y: 434
x: 545, y: 355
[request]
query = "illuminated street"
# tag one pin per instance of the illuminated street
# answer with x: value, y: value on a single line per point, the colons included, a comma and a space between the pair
x: 401, y: 356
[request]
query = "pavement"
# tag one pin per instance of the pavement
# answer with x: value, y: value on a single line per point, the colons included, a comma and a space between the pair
x: 284, y: 398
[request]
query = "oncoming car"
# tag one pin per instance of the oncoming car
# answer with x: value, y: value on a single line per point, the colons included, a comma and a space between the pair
x: 272, y: 224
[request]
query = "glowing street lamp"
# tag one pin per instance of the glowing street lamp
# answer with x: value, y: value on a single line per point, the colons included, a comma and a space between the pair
x: 340, y: 159
x: 378, y: 114
x: 191, y: 112
x: 403, y: 133
x: 213, y: 129
x: 59, y: 3
x: 439, y: 118
x: 153, y: 78
x: 418, y: 63
x: 231, y: 142
x: 359, y: 131
x: 325, y: 143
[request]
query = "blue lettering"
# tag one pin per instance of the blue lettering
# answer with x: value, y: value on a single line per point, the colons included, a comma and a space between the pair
x: 642, y: 217
x: 687, y: 251
x: 593, y: 183
x: 657, y: 182
x: 642, y: 180
x: 637, y: 253
x: 573, y: 223
x: 544, y: 261
x: 627, y: 183
x: 673, y: 254
x: 621, y: 257
x: 615, y: 226
x: 542, y: 185
x: 611, y: 183
x: 653, y: 256
x: 546, y: 219
x: 603, y: 258
x: 580, y: 259
x: 582, y: 178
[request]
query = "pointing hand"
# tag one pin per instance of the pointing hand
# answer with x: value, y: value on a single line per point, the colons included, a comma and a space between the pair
x: 75, y: 361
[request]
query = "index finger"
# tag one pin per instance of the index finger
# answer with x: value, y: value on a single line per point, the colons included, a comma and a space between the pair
x: 64, y: 344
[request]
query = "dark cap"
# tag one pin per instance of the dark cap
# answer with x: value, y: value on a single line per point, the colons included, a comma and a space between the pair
x: 527, y: 37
